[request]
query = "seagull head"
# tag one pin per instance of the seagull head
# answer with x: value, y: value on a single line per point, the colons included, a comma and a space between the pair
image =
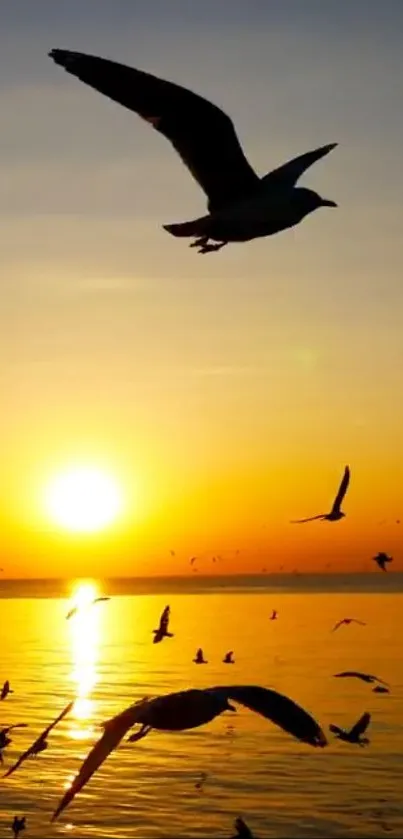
x: 311, y: 200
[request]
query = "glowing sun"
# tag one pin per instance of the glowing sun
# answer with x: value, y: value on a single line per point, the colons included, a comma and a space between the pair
x: 83, y: 500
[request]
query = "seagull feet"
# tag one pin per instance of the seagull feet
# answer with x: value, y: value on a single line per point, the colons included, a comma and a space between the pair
x: 204, y: 247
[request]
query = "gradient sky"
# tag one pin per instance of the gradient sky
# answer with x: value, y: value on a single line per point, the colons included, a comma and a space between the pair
x: 225, y: 393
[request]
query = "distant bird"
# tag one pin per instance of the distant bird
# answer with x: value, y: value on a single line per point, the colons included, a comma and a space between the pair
x: 335, y: 513
x: 200, y: 783
x: 162, y: 631
x: 229, y: 658
x: 172, y: 553
x: 190, y: 709
x: 355, y: 674
x: 355, y: 733
x: 41, y: 743
x: 241, y: 205
x: 199, y: 657
x: 5, y: 740
x: 193, y: 560
x: 347, y: 621
x: 82, y: 606
x: 18, y: 826
x: 380, y: 689
x: 5, y: 690
x: 242, y: 830
x: 273, y: 616
x: 382, y: 560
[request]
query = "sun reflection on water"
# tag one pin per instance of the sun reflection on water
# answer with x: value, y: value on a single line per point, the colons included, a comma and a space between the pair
x: 85, y: 636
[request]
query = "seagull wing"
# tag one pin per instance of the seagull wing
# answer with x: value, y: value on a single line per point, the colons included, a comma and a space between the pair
x: 335, y: 729
x: 288, y: 174
x: 362, y: 623
x: 42, y: 736
x: 348, y: 673
x: 16, y: 725
x: 342, y: 490
x: 361, y: 725
x: 202, y: 134
x: 312, y: 518
x: 101, y: 599
x: 115, y: 730
x: 164, y: 621
x: 71, y: 613
x: 336, y: 626
x: 281, y: 710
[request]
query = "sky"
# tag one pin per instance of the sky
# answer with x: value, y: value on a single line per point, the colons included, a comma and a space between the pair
x: 224, y: 394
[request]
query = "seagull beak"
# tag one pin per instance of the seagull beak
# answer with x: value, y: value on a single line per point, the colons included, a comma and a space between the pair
x: 326, y: 203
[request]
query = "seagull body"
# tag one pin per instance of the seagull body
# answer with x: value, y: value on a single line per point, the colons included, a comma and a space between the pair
x: 162, y: 631
x: 190, y: 709
x: 335, y: 513
x: 79, y: 608
x: 5, y: 690
x: 347, y: 621
x: 355, y: 733
x: 242, y: 830
x: 18, y: 826
x: 382, y: 560
x: 241, y: 205
x: 41, y: 743
x: 273, y: 616
x: 355, y: 674
x: 380, y: 689
x: 199, y: 657
x: 229, y: 658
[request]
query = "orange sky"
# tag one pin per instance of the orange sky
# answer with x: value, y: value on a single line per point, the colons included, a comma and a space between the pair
x: 226, y: 393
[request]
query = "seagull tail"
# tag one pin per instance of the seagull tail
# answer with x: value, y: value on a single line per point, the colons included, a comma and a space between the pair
x: 187, y: 228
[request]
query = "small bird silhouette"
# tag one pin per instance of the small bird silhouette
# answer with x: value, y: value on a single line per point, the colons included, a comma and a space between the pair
x: 355, y: 733
x: 347, y: 621
x: 273, y: 616
x: 41, y: 743
x: 229, y: 658
x: 242, y: 830
x: 382, y: 560
x: 18, y: 826
x: 355, y: 674
x: 241, y: 205
x: 199, y: 657
x: 76, y: 609
x: 200, y: 783
x: 190, y: 709
x: 162, y: 631
x: 5, y: 740
x: 380, y: 689
x: 335, y: 513
x: 5, y: 690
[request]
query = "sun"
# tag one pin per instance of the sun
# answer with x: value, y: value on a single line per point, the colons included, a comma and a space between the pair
x: 83, y: 499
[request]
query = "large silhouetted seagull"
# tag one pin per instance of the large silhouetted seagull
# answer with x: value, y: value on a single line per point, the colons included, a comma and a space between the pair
x: 335, y: 513
x: 241, y: 205
x: 190, y: 709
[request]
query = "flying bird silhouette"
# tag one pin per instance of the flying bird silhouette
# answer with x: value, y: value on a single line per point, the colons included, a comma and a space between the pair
x: 5, y: 690
x: 162, y: 631
x: 190, y: 709
x: 355, y: 674
x: 380, y: 689
x: 242, y: 830
x: 273, y: 616
x: 229, y: 658
x: 41, y: 743
x: 79, y: 608
x: 347, y: 621
x: 241, y: 205
x: 199, y: 657
x: 5, y: 740
x: 18, y: 826
x: 382, y: 560
x: 355, y: 733
x: 335, y: 513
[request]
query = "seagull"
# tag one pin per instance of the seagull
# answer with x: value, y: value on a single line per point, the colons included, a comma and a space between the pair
x: 355, y: 674
x: 18, y: 826
x: 382, y: 559
x: 347, y: 621
x: 273, y: 616
x: 380, y: 689
x: 5, y: 740
x: 190, y: 709
x: 242, y: 830
x: 241, y: 205
x: 5, y: 690
x: 162, y: 631
x: 355, y: 733
x: 335, y: 513
x: 200, y: 783
x: 79, y: 608
x: 229, y: 658
x: 41, y: 743
x: 199, y: 657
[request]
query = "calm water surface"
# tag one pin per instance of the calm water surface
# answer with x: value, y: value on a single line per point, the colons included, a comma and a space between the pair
x: 106, y: 658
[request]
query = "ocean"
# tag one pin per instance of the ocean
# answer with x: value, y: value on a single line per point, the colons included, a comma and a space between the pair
x: 104, y: 657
